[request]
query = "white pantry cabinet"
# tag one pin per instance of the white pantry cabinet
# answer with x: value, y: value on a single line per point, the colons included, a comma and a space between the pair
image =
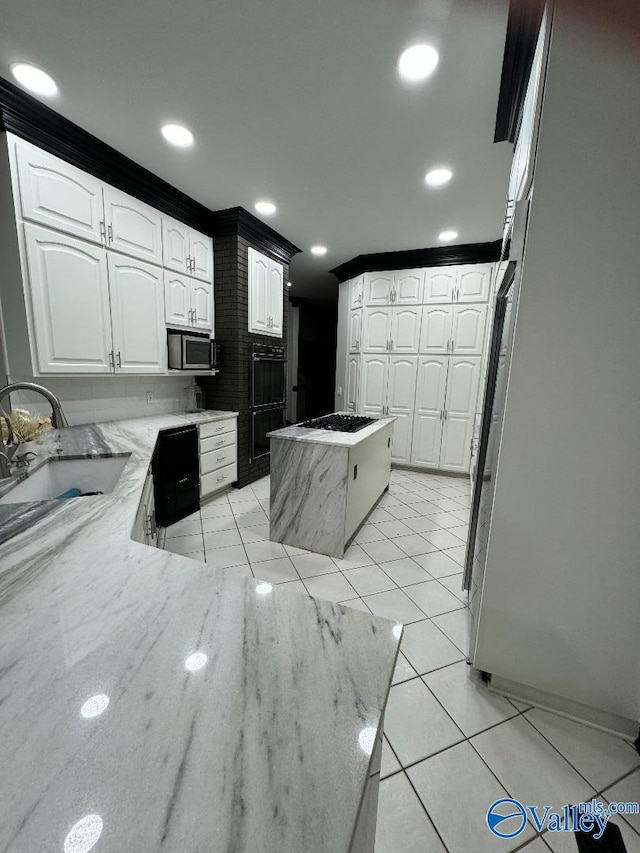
x: 378, y: 287
x: 188, y: 302
x: 394, y: 329
x: 69, y: 292
x: 356, y: 292
x: 135, y: 291
x: 455, y: 329
x: 266, y: 279
x: 186, y: 251
x: 353, y: 382
x: 462, y: 283
x: 55, y: 194
x: 408, y: 286
x: 388, y: 388
x: 446, y: 396
x: 355, y: 330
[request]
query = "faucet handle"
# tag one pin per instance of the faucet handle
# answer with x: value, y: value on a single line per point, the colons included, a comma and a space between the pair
x: 22, y: 461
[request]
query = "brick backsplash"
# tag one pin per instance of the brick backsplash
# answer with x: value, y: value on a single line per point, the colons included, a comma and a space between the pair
x: 231, y: 389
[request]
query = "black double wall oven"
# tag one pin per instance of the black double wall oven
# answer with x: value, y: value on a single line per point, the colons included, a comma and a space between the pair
x: 268, y: 396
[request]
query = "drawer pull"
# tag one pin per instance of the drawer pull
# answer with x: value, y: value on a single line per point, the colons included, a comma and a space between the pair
x: 219, y: 443
x: 219, y: 429
x: 220, y: 480
x: 220, y: 459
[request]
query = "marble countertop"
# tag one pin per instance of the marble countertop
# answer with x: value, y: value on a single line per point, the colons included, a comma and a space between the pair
x: 328, y: 436
x: 160, y: 705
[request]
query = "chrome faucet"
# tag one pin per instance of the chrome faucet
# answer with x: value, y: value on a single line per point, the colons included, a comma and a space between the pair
x: 58, y: 420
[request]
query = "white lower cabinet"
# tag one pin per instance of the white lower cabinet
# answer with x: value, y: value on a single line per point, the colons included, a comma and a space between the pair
x: 145, y: 529
x: 388, y: 388
x: 69, y: 290
x: 218, y: 456
x: 445, y: 407
x: 136, y: 292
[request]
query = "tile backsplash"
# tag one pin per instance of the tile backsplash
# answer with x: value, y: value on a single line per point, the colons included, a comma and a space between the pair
x: 106, y: 398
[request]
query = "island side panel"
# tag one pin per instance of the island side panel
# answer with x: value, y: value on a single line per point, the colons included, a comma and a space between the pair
x: 308, y: 495
x: 373, y: 460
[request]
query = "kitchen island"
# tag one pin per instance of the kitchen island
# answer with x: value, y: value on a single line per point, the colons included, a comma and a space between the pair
x: 152, y: 703
x: 324, y: 482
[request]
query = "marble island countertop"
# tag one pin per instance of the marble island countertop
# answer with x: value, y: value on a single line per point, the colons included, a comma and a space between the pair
x: 327, y: 436
x: 150, y: 703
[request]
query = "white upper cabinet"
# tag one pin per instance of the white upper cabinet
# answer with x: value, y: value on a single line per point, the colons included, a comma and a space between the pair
x: 435, y: 334
x: 355, y: 330
x: 186, y: 251
x: 373, y: 386
x: 467, y: 332
x: 56, y: 194
x: 378, y: 288
x: 474, y: 283
x: 276, y: 297
x: 266, y: 279
x: 460, y: 405
x: 175, y: 245
x: 401, y: 385
x: 70, y: 302
x: 376, y: 332
x: 431, y: 385
x: 405, y: 330
x: 408, y: 287
x: 188, y: 302
x: 136, y: 291
x: 440, y: 284
x: 201, y: 255
x: 177, y: 299
x: 202, y: 306
x: 356, y: 292
x: 259, y: 302
x: 133, y: 228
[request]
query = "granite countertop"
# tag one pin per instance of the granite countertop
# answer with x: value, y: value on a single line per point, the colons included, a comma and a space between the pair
x: 328, y: 436
x: 265, y: 748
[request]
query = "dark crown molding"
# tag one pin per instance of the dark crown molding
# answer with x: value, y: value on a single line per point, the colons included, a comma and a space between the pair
x: 237, y: 220
x: 469, y: 253
x: 523, y: 27
x: 32, y: 120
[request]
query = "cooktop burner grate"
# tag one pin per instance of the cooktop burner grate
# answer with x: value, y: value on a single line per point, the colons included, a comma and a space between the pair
x: 339, y: 423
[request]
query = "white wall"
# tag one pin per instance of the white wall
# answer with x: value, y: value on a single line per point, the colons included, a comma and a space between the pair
x: 104, y: 398
x: 561, y: 600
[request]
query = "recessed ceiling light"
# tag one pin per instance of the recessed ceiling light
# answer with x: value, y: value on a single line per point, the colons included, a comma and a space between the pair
x: 265, y: 207
x: 438, y: 177
x: 195, y: 661
x: 34, y: 79
x: 447, y: 236
x: 288, y: 284
x: 417, y: 62
x: 318, y: 250
x: 177, y: 134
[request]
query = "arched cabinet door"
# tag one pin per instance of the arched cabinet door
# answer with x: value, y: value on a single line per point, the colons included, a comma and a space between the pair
x: 405, y: 329
x: 435, y: 333
x: 373, y: 386
x: 376, y: 332
x: 431, y: 384
x: 474, y: 283
x: 468, y: 329
x: 408, y: 286
x: 401, y: 386
x: 459, y: 412
x: 378, y: 287
x: 133, y: 228
x: 439, y: 285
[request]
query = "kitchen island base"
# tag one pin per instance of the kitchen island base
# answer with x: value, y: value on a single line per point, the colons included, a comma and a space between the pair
x: 324, y: 484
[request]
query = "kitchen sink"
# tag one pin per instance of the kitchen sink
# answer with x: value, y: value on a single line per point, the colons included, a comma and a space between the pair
x: 58, y: 475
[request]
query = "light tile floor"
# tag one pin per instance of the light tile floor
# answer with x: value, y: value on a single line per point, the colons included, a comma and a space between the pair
x: 451, y: 747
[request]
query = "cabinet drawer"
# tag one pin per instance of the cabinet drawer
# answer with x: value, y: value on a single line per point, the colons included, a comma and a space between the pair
x: 215, y: 480
x: 217, y: 428
x: 217, y: 459
x: 216, y: 442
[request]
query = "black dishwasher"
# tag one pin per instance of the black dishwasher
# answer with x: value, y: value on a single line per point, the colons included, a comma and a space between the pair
x: 176, y: 474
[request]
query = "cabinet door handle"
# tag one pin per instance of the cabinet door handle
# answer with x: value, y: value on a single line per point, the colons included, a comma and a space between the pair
x: 441, y: 414
x: 110, y: 232
x: 193, y: 264
x: 112, y: 362
x: 103, y: 231
x: 119, y: 359
x: 453, y: 344
x: 445, y: 414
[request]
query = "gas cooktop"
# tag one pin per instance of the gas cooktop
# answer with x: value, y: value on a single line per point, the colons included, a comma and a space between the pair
x: 339, y: 423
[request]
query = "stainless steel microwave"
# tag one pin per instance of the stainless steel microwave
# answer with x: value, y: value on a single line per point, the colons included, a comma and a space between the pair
x: 192, y: 352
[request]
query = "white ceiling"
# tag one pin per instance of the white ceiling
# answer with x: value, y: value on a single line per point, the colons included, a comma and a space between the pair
x: 297, y: 101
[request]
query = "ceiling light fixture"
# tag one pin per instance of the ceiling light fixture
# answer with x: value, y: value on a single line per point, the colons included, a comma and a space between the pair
x: 288, y: 284
x: 34, y: 79
x: 438, y: 177
x: 447, y: 236
x: 178, y: 135
x: 267, y: 208
x: 318, y: 250
x: 417, y: 62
